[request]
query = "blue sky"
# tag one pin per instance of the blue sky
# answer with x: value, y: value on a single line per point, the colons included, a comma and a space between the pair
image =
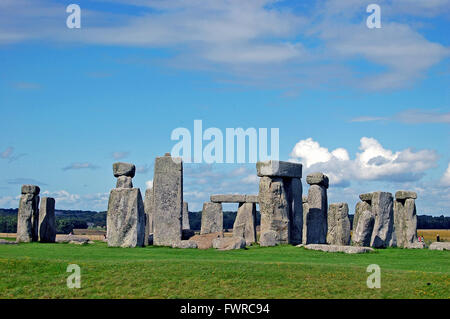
x: 369, y: 107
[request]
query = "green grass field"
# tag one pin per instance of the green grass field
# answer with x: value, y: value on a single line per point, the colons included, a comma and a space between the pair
x: 39, y: 271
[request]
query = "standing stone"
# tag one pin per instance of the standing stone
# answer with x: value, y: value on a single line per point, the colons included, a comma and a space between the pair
x: 405, y: 218
x: 338, y: 225
x: 315, y: 219
x: 362, y: 232
x: 167, y: 200
x: 361, y: 207
x: 186, y: 224
x: 275, y: 210
x: 212, y: 218
x: 124, y: 182
x: 148, y: 207
x: 28, y: 214
x: 125, y: 218
x: 295, y: 190
x: 383, y: 230
x: 245, y: 223
x: 47, y: 221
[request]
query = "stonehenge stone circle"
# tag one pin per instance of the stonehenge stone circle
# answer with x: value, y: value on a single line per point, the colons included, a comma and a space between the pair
x: 212, y: 218
x: 126, y: 219
x: 383, y: 230
x: 315, y: 223
x: 280, y: 194
x: 185, y: 218
x: 47, y: 221
x: 28, y: 214
x: 405, y: 219
x: 362, y: 233
x: 338, y: 225
x: 245, y: 223
x: 167, y: 200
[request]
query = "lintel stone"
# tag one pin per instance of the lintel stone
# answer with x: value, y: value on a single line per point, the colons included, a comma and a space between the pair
x: 279, y: 169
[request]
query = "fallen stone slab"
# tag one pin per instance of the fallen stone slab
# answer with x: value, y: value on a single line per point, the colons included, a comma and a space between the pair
x: 405, y: 195
x: 124, y: 169
x: 205, y: 241
x: 279, y: 169
x: 7, y: 242
x: 72, y: 239
x: 229, y: 243
x: 338, y: 249
x: 416, y: 245
x: 440, y: 246
x: 185, y: 244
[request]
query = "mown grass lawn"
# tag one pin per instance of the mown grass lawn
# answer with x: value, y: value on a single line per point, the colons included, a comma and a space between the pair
x: 39, y: 271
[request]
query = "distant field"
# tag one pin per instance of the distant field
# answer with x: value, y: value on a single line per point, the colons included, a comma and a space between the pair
x: 39, y: 271
x: 430, y: 234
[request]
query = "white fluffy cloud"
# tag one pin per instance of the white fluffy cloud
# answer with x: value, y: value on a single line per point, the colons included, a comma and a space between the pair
x: 373, y: 162
x: 445, y: 180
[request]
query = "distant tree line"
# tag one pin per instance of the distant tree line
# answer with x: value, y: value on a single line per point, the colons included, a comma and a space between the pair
x: 67, y: 220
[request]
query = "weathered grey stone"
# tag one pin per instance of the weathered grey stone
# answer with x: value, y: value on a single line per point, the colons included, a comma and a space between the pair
x: 383, y: 230
x: 185, y: 218
x: 205, y: 241
x: 228, y: 243
x: 28, y: 218
x: 405, y: 195
x: 72, y: 239
x: 47, y: 221
x: 338, y: 225
x: 317, y: 179
x: 212, y: 218
x: 228, y: 198
x: 405, y: 222
x: 187, y: 234
x: 125, y: 218
x: 367, y: 197
x: 359, y: 209
x: 30, y: 189
x: 7, y: 242
x: 294, y: 190
x: 251, y: 199
x: 245, y: 223
x: 124, y: 182
x: 124, y: 169
x: 416, y: 245
x: 279, y: 169
x: 338, y: 248
x: 440, y: 246
x: 148, y: 208
x: 274, y: 208
x: 185, y: 244
x: 268, y: 239
x: 167, y: 200
x: 362, y: 231
x: 315, y: 219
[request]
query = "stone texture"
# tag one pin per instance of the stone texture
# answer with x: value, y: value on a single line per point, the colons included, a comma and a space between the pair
x: 251, y: 199
x: 212, y: 218
x: 245, y: 223
x: 185, y: 244
x: 416, y: 245
x: 440, y: 246
x: 148, y: 208
x: 359, y: 209
x: 367, y: 197
x: 185, y: 217
x: 205, y: 241
x: 7, y: 242
x: 269, y: 238
x: 405, y: 222
x: 124, y: 169
x: 124, y: 182
x: 125, y: 218
x: 47, y: 220
x: 72, y: 239
x: 167, y: 200
x: 279, y: 169
x: 315, y: 218
x: 295, y: 190
x: 362, y: 232
x: 338, y: 248
x: 274, y: 208
x: 30, y: 189
x: 28, y: 215
x: 228, y: 243
x: 228, y: 198
x: 383, y: 230
x: 338, y: 225
x: 405, y: 195
x: 317, y: 179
